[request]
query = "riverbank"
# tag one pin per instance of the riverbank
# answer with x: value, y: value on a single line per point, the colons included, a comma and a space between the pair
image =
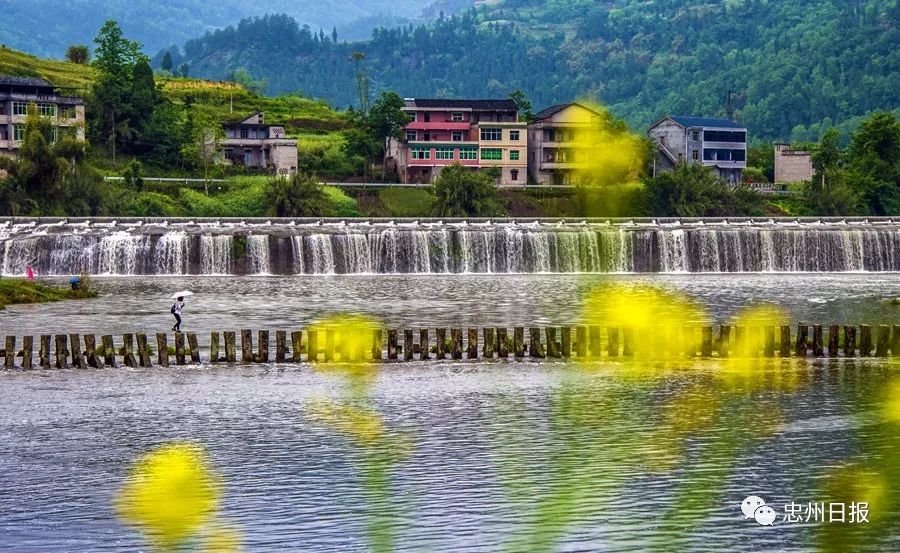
x: 14, y: 291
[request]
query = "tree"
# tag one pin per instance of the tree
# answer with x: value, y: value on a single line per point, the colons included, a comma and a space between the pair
x: 362, y: 81
x: 523, y: 105
x: 461, y: 192
x: 166, y: 64
x: 826, y: 157
x: 385, y: 121
x: 246, y: 80
x: 133, y: 176
x: 203, y: 135
x: 873, y: 157
x: 77, y: 53
x: 144, y: 97
x: 334, y: 35
x: 692, y: 190
x: 296, y: 196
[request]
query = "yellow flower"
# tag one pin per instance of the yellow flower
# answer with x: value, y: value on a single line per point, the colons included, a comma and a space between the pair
x: 169, y: 494
x: 892, y: 405
x: 353, y: 337
x: 364, y: 426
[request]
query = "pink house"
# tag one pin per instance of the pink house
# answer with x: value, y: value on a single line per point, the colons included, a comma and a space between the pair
x: 475, y: 133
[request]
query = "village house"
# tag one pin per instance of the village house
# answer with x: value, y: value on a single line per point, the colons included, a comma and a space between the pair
x: 475, y: 133
x: 792, y: 165
x: 17, y: 93
x: 559, y: 142
x: 252, y: 143
x: 720, y: 144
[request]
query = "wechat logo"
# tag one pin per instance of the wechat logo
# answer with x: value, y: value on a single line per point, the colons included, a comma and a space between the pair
x: 755, y: 507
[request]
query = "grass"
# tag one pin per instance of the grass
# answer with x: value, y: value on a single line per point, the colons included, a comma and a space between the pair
x: 406, y: 202
x: 59, y: 73
x: 14, y: 291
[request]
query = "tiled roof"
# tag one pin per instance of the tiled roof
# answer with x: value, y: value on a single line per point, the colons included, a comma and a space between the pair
x: 499, y: 105
x: 687, y: 121
x: 548, y: 112
x: 23, y: 81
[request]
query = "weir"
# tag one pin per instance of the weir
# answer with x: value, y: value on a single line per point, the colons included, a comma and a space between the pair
x: 322, y: 247
x: 551, y: 342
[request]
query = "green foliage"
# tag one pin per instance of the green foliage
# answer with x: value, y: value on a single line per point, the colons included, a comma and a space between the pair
x: 154, y: 204
x: 406, y: 202
x: 762, y: 158
x: 133, y: 176
x: 461, y: 192
x: 77, y: 53
x: 297, y: 196
x: 14, y: 291
x: 341, y: 205
x: 692, y: 190
x: 523, y: 104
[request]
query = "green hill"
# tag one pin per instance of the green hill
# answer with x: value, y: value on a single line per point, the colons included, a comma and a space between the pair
x: 789, y: 65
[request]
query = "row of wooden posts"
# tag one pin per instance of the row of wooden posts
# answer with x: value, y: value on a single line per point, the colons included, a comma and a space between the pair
x: 553, y: 342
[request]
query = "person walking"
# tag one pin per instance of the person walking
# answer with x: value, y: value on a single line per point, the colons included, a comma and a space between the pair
x: 176, y: 310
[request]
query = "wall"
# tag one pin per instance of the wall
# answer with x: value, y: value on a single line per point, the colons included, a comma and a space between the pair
x: 792, y: 165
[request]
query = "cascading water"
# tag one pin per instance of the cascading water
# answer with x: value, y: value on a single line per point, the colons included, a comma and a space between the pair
x: 174, y: 248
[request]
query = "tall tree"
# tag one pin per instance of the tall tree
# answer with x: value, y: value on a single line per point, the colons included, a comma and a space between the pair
x: 385, y: 121
x: 461, y: 192
x: 523, y: 105
x: 77, y: 53
x: 166, y: 63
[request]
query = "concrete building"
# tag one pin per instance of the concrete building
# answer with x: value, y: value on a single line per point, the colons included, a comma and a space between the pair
x: 475, y: 133
x: 792, y: 165
x: 252, y: 143
x: 716, y: 143
x: 17, y: 93
x: 559, y: 142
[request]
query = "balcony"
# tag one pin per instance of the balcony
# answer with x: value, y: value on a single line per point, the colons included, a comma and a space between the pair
x: 438, y: 126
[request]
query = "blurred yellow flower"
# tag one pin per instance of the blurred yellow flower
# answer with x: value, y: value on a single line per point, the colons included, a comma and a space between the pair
x: 222, y: 539
x: 892, y: 405
x: 353, y: 335
x: 364, y: 426
x: 170, y: 493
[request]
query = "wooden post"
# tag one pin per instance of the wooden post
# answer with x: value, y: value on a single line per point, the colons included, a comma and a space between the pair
x: 408, y: 344
x: 143, y: 350
x: 535, y: 347
x: 27, y: 352
x: 162, y: 349
x: 214, y: 347
x: 769, y: 350
x: 724, y: 339
x: 834, y: 332
x: 128, y: 345
x: 612, y: 345
x: 688, y: 334
x: 566, y: 350
x: 263, y: 336
x: 552, y: 349
x: 456, y: 343
x: 753, y: 341
x: 865, y: 340
x: 594, y: 340
x: 488, y: 351
x: 62, y: 353
x: 706, y: 345
x: 424, y: 347
x: 441, y: 344
x: 392, y: 344
x: 192, y: 342
x: 802, y: 333
x: 849, y: 341
x: 895, y: 341
x: 472, y: 344
x: 785, y: 341
x: 884, y: 338
x: 230, y: 346
x: 9, y: 360
x: 628, y: 342
x: 90, y: 351
x: 581, y: 342
x: 246, y: 345
x: 179, y: 348
x: 519, y: 342
x: 740, y: 341
x: 77, y: 358
x: 329, y: 344
x: 109, y: 351
x: 44, y: 352
x: 312, y: 346
x: 818, y: 350
x: 502, y: 343
x: 376, y: 344
x: 280, y: 346
x: 297, y: 346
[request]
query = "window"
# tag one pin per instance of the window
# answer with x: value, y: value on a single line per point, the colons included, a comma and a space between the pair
x: 514, y: 136
x: 47, y: 110
x: 696, y: 155
x: 443, y: 152
x: 514, y: 155
x: 412, y: 135
x: 514, y: 174
x: 456, y: 117
x: 18, y: 132
x: 491, y: 153
x: 457, y: 136
x: 724, y: 136
x: 427, y: 117
x: 695, y: 135
x: 492, y: 134
x: 20, y: 108
x: 468, y: 153
x: 427, y: 136
x: 421, y: 153
x: 244, y: 133
x: 2, y: 108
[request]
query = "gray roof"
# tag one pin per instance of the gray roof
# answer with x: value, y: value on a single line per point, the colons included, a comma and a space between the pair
x: 689, y: 121
x: 490, y: 104
x: 547, y: 112
x: 23, y: 81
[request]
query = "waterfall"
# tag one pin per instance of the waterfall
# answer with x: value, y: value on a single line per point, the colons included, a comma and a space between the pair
x: 176, y: 248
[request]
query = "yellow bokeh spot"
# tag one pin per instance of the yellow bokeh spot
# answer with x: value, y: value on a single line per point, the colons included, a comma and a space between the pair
x: 222, y: 539
x: 170, y: 493
x: 353, y: 338
x: 892, y: 405
x: 602, y: 149
x: 363, y: 426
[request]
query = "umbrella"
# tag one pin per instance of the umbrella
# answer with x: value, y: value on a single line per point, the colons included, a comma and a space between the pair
x: 182, y: 294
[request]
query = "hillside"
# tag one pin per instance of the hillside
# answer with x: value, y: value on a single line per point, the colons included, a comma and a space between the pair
x: 48, y: 26
x: 790, y: 65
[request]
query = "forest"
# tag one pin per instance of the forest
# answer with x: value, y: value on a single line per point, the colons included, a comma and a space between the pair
x: 788, y: 69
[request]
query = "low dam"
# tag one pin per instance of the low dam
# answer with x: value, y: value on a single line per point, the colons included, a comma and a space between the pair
x: 64, y: 351
x: 322, y: 247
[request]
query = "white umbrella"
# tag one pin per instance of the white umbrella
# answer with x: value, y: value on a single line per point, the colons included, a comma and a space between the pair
x: 182, y: 294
